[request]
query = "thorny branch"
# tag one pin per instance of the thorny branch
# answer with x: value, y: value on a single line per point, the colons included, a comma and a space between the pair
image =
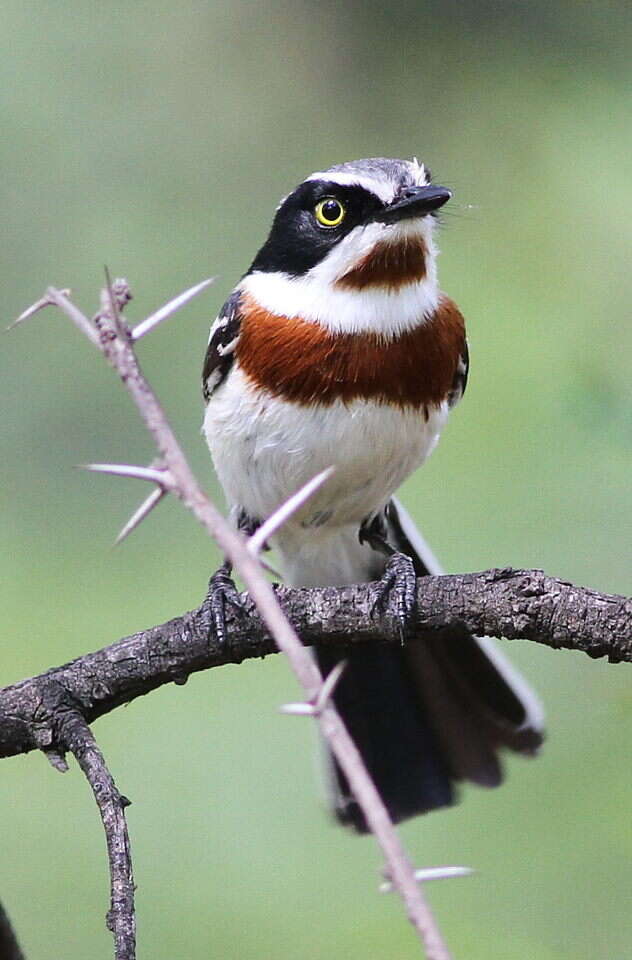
x: 110, y: 333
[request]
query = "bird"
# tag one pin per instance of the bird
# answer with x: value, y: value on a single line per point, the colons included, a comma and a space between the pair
x: 338, y: 349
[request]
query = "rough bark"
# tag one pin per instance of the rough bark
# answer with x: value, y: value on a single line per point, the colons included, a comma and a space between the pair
x: 73, y: 733
x: 515, y: 604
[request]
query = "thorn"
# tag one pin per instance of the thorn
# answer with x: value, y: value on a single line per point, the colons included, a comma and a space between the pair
x: 166, y: 311
x: 161, y: 477
x: 298, y: 709
x: 257, y: 541
x: 442, y: 873
x: 82, y: 323
x: 328, y: 687
x: 432, y: 873
x: 145, y: 508
x: 314, y: 707
x: 44, y: 301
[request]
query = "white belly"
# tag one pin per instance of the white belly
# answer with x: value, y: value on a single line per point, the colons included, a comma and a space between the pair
x: 264, y: 449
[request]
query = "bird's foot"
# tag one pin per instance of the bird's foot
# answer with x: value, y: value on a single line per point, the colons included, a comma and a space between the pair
x: 397, y: 594
x: 222, y: 594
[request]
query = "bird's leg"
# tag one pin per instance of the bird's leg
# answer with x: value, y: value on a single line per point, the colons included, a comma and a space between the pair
x: 373, y: 531
x: 398, y: 584
x: 244, y: 522
x: 222, y: 590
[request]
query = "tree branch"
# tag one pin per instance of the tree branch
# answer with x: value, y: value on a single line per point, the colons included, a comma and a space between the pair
x: 73, y: 733
x: 516, y: 604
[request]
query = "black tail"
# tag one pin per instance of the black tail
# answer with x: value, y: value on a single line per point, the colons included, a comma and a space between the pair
x: 431, y: 714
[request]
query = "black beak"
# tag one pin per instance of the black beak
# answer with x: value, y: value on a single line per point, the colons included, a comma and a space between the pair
x: 414, y: 202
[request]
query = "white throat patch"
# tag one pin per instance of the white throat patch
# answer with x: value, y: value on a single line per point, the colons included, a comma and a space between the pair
x: 380, y: 310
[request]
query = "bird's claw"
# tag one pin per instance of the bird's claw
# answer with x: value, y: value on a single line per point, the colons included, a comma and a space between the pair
x: 221, y: 593
x: 397, y: 593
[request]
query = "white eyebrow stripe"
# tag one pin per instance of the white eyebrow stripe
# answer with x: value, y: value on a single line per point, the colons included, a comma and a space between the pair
x: 382, y: 189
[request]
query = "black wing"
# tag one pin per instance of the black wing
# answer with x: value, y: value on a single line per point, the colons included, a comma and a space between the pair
x: 460, y: 377
x: 222, y: 342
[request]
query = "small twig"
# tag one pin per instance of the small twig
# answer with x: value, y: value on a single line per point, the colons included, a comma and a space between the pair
x: 59, y: 298
x: 74, y: 734
x: 9, y: 946
x: 110, y: 301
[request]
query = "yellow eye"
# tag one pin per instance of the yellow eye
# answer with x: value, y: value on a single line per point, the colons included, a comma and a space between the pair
x: 329, y: 212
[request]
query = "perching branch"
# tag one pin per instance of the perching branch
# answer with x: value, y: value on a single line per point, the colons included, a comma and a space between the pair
x: 516, y: 604
x: 110, y: 333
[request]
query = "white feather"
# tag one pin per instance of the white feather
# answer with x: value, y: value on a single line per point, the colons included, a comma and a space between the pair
x: 316, y: 297
x: 383, y: 189
x: 382, y: 186
x: 265, y: 448
x: 218, y: 324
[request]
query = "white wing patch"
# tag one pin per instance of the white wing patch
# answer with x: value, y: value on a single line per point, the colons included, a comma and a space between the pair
x: 222, y: 343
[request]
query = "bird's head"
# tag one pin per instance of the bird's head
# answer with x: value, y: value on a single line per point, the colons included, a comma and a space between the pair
x: 351, y: 247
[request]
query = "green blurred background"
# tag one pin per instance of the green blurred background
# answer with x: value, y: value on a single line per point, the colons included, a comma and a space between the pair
x: 157, y: 138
